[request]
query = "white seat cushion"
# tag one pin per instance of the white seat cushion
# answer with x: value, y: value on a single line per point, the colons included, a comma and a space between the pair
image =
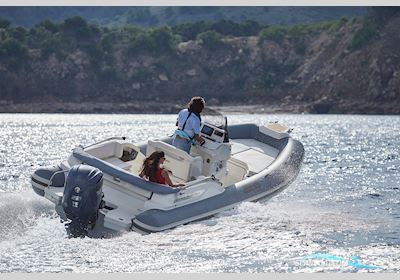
x: 106, y: 150
x: 182, y: 165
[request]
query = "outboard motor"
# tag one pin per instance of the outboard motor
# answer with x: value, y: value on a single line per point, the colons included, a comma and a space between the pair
x: 82, y: 199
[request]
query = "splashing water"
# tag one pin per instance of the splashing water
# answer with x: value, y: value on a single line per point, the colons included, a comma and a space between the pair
x: 341, y: 214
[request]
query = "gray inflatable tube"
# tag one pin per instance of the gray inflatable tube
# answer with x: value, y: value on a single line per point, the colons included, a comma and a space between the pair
x: 261, y: 186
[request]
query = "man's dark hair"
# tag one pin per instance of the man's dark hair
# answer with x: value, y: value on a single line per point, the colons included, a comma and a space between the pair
x: 196, y: 104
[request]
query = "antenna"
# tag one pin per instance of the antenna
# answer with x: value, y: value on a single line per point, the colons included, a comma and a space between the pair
x: 226, y: 137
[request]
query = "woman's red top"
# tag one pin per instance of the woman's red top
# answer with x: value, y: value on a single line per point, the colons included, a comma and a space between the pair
x: 159, y: 178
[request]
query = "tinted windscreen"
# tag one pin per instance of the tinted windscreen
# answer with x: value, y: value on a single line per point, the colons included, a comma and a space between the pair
x: 207, y: 130
x: 218, y: 133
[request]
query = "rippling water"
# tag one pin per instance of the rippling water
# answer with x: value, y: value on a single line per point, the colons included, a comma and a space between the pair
x: 342, y: 214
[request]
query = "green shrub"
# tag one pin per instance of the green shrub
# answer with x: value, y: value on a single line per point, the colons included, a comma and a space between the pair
x: 12, y: 48
x: 155, y: 41
x: 298, y: 30
x: 163, y: 39
x: 364, y: 35
x: 226, y: 27
x: 41, y: 37
x: 131, y: 30
x: 78, y: 29
x: 249, y: 28
x: 107, y: 41
x: 51, y: 45
x: 49, y: 26
x: 189, y: 31
x: 337, y: 24
x: 343, y: 20
x: 210, y: 39
x: 353, y: 21
x: 18, y: 33
x: 4, y: 23
x: 95, y: 53
x: 75, y: 25
x: 139, y: 43
x: 275, y: 33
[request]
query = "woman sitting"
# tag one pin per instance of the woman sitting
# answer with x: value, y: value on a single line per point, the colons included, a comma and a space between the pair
x: 152, y: 171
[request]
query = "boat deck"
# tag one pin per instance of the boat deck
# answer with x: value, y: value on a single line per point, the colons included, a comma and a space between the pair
x: 256, y: 154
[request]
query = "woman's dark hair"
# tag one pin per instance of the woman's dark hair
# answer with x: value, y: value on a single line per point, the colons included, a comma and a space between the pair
x: 151, y: 164
x: 196, y: 105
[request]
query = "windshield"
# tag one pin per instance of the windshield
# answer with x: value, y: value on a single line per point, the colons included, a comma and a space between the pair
x: 213, y: 117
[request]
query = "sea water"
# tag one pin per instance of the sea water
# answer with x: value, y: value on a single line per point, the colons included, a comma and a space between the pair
x: 342, y: 214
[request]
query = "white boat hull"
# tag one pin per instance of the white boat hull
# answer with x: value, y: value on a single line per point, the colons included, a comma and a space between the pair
x: 261, y: 163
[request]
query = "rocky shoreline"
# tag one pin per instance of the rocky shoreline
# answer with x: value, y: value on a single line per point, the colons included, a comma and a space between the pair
x: 172, y: 108
x: 139, y: 108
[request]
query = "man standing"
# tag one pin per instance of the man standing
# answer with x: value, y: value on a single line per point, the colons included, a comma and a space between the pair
x: 188, y: 123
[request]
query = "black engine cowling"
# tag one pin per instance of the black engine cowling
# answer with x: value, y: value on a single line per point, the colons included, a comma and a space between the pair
x: 82, y: 198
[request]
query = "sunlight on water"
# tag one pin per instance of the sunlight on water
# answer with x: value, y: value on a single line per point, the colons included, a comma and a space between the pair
x: 342, y: 214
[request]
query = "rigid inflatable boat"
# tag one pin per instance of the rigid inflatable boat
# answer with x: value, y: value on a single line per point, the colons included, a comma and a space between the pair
x: 97, y: 190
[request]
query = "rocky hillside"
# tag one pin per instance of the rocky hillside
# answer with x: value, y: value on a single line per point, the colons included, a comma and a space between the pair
x: 346, y: 66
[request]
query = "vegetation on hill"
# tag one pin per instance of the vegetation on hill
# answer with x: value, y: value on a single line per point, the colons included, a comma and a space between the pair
x: 278, y: 32
x: 79, y: 61
x: 171, y: 16
x: 76, y: 33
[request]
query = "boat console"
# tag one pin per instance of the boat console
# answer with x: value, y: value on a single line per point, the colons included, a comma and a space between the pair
x: 212, y: 133
x: 214, y: 151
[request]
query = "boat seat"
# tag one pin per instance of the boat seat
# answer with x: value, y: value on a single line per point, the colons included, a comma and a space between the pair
x: 106, y: 150
x: 112, y: 152
x: 117, y: 162
x: 183, y: 166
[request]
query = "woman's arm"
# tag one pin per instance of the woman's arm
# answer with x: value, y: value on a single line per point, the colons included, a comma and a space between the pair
x: 165, y: 174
